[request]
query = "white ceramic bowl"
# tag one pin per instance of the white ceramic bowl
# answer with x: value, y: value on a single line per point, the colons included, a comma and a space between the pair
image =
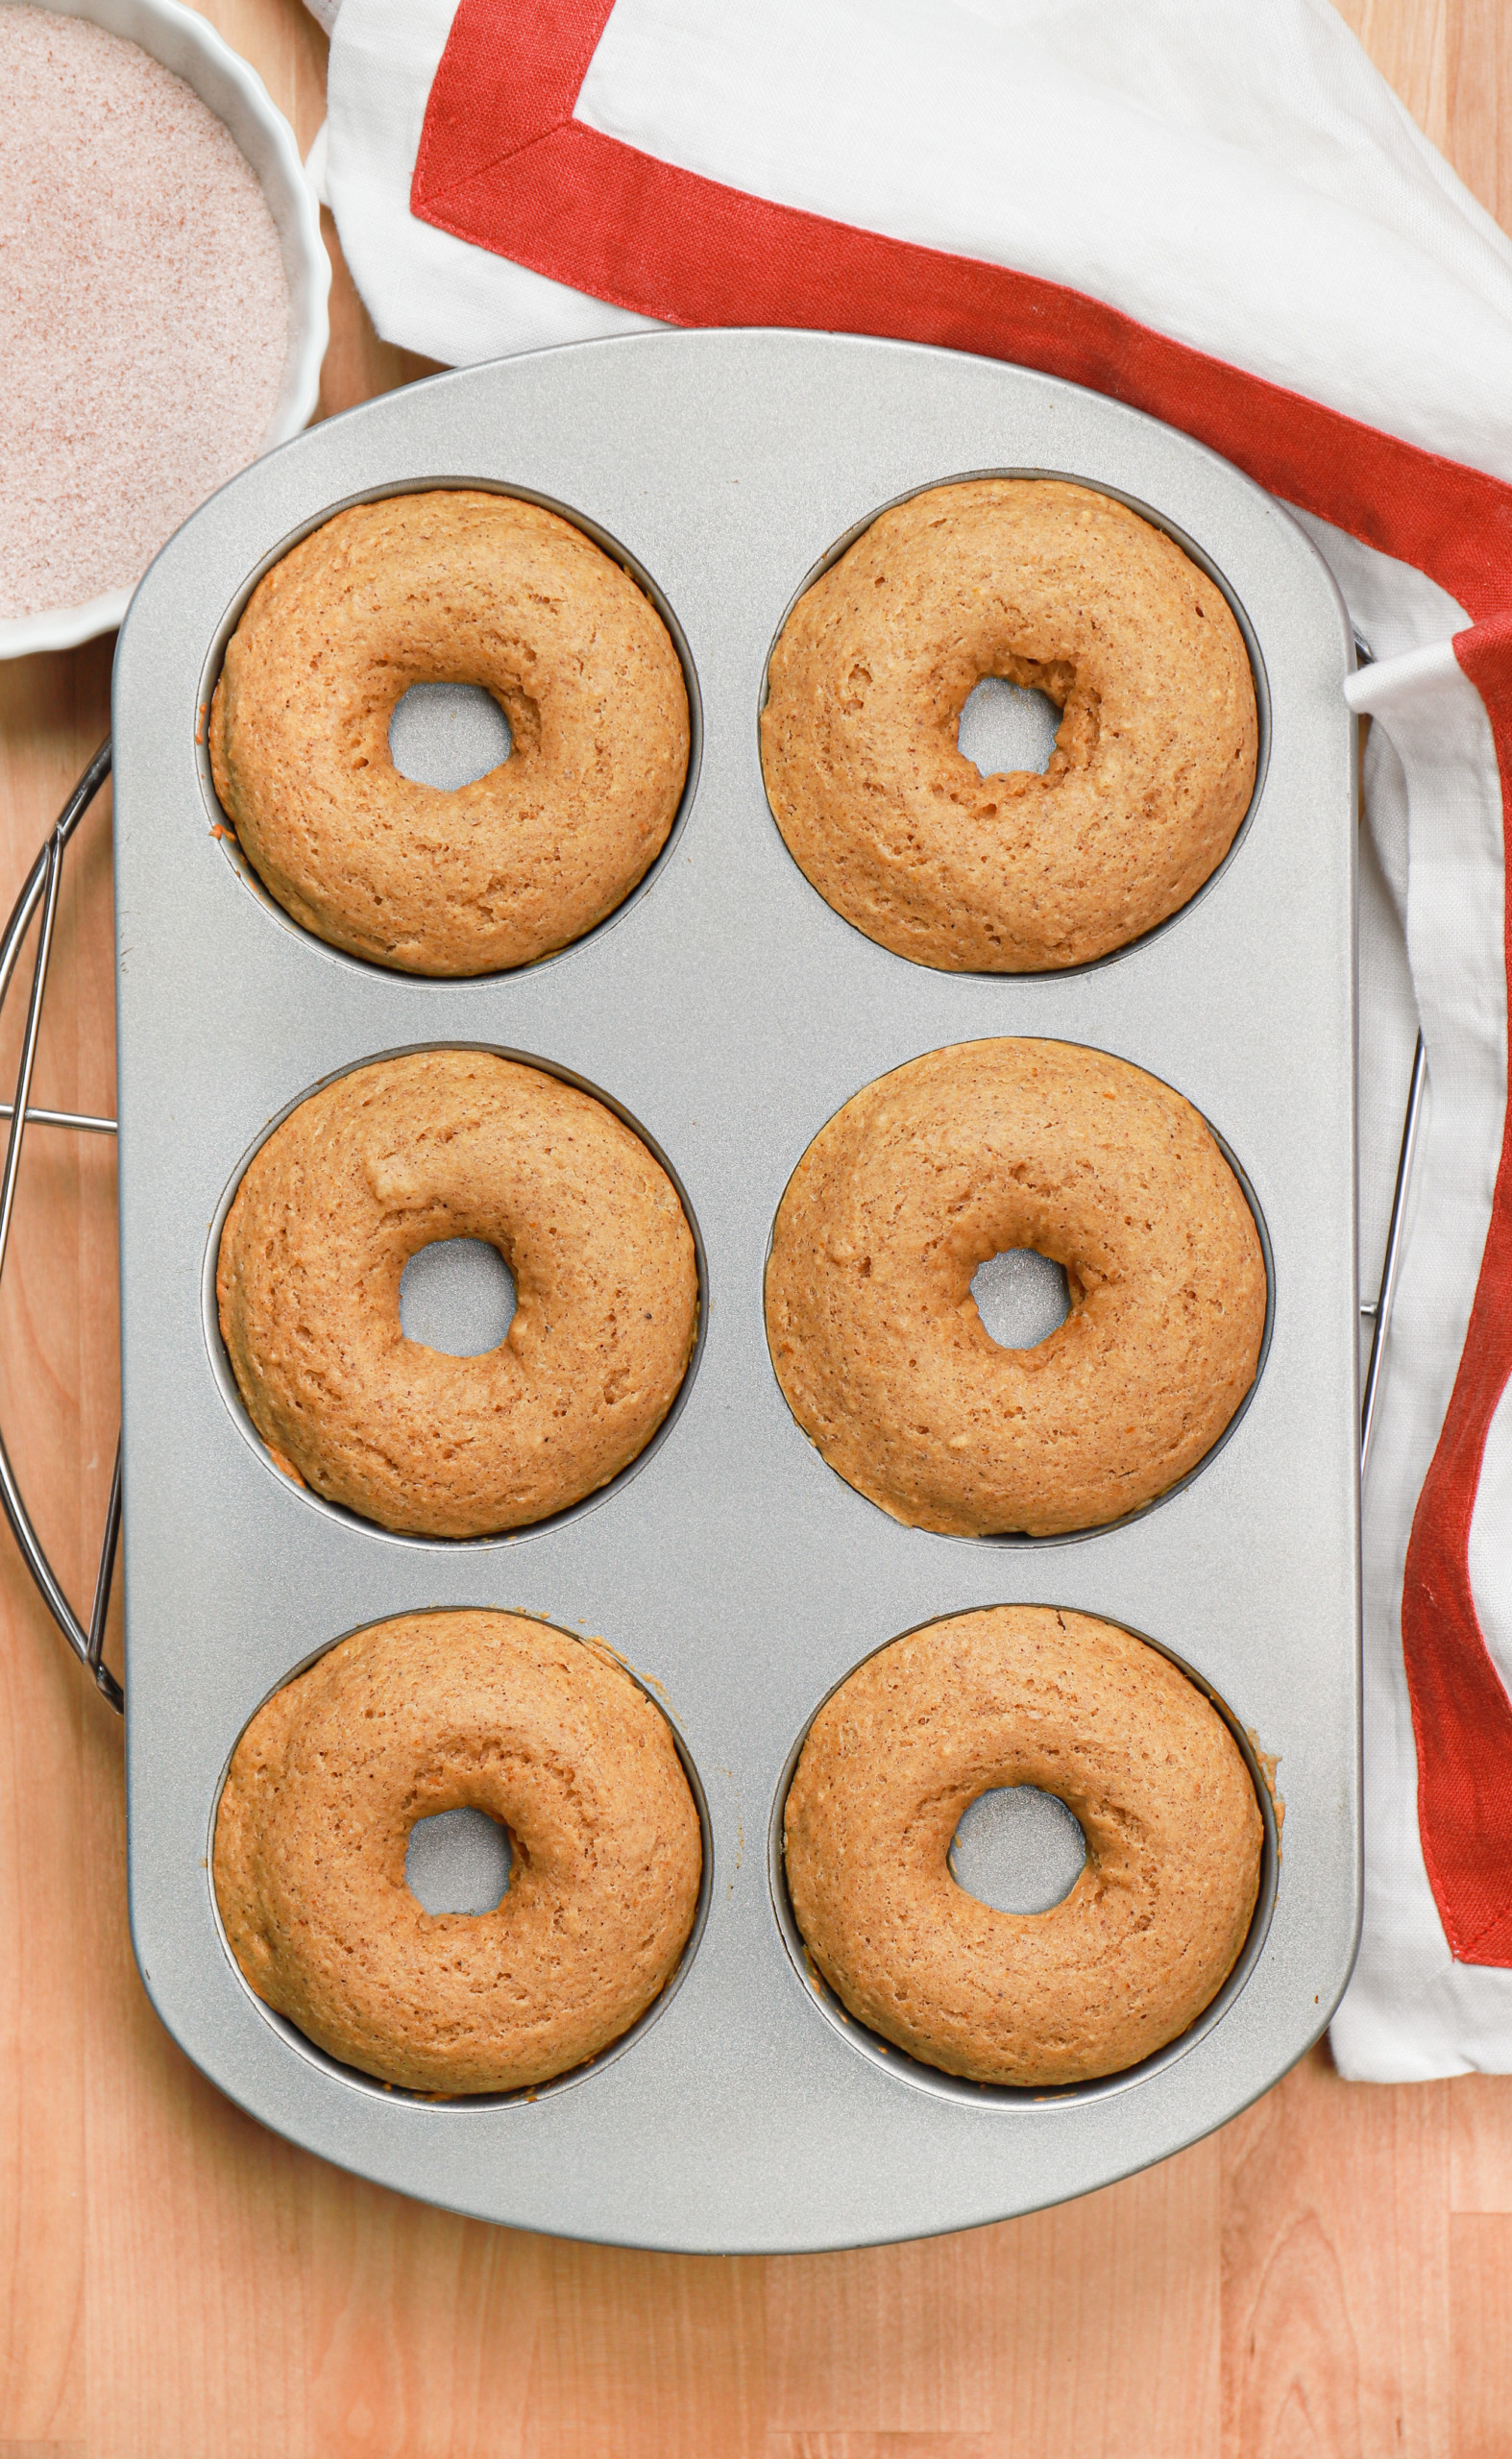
x: 195, y: 52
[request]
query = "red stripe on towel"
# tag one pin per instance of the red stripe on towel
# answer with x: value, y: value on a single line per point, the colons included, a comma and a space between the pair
x: 1461, y: 1714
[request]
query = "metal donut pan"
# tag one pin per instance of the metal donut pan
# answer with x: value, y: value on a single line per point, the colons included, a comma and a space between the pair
x: 729, y: 1012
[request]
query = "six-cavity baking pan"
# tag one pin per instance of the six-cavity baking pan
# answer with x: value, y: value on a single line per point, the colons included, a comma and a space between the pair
x: 727, y: 1012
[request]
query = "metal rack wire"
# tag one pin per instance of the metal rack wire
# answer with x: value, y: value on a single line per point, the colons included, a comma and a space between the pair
x: 1378, y: 1310
x: 42, y: 890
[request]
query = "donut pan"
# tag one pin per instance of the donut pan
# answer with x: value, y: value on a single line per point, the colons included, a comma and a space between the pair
x: 729, y: 1012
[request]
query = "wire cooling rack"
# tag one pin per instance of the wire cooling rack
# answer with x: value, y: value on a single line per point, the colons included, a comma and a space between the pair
x: 39, y: 893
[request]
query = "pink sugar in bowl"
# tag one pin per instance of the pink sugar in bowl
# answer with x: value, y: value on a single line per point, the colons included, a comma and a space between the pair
x: 163, y: 290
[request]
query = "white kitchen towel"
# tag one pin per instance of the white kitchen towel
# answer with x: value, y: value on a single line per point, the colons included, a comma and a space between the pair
x: 1223, y: 215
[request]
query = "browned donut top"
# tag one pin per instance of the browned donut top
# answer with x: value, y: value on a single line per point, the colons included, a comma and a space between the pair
x: 1063, y: 590
x: 437, y: 1712
x: 973, y: 1151
x: 1023, y: 1694
x: 451, y: 586
x: 456, y: 1144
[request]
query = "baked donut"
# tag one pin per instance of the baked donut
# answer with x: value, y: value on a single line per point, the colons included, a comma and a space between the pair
x: 437, y: 1712
x: 1064, y: 592
x: 451, y: 586
x: 1023, y: 1694
x: 455, y: 1144
x: 974, y: 1152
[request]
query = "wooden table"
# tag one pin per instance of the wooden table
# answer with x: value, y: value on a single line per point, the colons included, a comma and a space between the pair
x: 1330, y: 2274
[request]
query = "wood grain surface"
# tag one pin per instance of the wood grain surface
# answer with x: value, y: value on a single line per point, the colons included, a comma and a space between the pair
x: 1329, y: 2276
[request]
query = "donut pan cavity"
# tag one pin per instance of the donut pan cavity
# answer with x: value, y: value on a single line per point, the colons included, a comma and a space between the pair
x: 448, y: 1865
x: 959, y: 2087
x: 214, y: 652
x: 1016, y: 1328
x: 728, y: 1013
x: 221, y: 1366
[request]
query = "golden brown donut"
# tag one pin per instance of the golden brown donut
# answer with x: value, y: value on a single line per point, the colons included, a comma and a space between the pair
x: 455, y: 1144
x: 1065, y: 591
x: 1023, y: 1694
x: 437, y: 1712
x: 451, y: 586
x: 973, y: 1151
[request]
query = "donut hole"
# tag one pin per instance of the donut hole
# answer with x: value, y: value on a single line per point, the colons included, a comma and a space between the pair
x: 448, y: 735
x: 458, y: 1296
x: 1017, y: 1849
x: 460, y: 1860
x: 1004, y: 727
x: 1022, y: 1296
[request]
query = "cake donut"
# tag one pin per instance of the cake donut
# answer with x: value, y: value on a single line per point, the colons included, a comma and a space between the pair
x: 1054, y: 588
x: 976, y: 1150
x: 451, y: 586
x: 437, y: 1712
x: 455, y: 1144
x: 1023, y: 1694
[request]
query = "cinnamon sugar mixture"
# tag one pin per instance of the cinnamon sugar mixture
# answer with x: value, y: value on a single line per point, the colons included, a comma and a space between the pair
x: 144, y: 313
